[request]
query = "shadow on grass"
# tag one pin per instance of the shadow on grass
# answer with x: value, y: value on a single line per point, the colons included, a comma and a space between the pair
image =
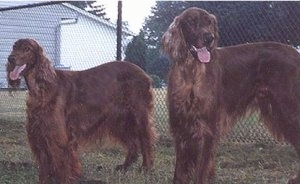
x: 92, y: 182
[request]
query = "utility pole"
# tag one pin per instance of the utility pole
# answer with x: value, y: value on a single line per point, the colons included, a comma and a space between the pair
x: 119, y: 32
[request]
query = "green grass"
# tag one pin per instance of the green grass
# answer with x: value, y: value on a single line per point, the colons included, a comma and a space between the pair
x: 235, y: 163
x: 12, y: 106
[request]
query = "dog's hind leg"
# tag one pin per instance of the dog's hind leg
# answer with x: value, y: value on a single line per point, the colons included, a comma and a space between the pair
x: 126, y: 133
x: 132, y: 154
x: 281, y: 115
x: 146, y: 135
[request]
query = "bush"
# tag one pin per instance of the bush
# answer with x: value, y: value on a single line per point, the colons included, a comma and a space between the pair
x: 157, y: 82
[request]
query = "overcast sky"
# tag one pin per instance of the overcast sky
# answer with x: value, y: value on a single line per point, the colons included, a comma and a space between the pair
x: 134, y: 11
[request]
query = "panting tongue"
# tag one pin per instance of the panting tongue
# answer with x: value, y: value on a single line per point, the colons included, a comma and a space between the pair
x: 203, y: 55
x: 15, y: 74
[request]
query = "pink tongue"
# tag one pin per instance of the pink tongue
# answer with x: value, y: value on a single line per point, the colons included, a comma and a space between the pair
x: 203, y: 55
x: 15, y: 74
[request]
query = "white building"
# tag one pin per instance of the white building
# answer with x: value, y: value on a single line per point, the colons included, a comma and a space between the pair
x: 71, y: 37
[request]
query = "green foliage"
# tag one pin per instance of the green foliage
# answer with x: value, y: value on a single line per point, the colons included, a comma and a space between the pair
x: 136, y: 51
x: 90, y: 6
x: 157, y: 65
x: 157, y: 83
x: 239, y: 22
x: 81, y: 4
x: 163, y: 14
x: 146, y: 57
x: 98, y: 10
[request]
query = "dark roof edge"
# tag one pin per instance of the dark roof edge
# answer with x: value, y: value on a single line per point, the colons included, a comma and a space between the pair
x: 66, y: 4
x: 31, y: 5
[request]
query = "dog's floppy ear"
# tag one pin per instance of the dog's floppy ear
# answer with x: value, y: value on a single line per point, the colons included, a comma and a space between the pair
x: 173, y: 42
x: 45, y: 71
x: 216, y: 30
x: 39, y: 53
x: 45, y: 75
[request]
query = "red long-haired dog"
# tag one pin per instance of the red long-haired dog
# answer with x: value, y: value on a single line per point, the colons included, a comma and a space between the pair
x: 210, y: 88
x: 68, y: 108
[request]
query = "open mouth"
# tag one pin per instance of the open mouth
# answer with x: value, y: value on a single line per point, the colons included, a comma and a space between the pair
x: 16, y: 73
x: 202, y: 54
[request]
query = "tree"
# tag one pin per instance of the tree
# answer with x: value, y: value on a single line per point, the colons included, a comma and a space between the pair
x: 156, y: 24
x: 157, y: 64
x: 163, y: 14
x: 98, y: 10
x: 81, y: 4
x: 238, y: 22
x: 136, y: 51
x: 92, y: 7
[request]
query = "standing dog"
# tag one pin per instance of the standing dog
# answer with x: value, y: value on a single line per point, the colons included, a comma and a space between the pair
x: 210, y: 87
x: 66, y: 109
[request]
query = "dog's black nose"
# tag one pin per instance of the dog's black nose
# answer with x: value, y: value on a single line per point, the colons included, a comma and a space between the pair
x: 208, y: 38
x: 11, y: 58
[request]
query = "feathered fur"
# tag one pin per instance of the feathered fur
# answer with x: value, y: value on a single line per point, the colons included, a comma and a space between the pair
x: 66, y: 109
x: 210, y: 88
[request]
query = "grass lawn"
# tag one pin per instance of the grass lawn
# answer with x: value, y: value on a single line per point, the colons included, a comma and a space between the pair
x: 236, y: 163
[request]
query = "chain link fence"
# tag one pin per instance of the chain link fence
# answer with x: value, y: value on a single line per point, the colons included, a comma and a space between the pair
x: 14, y: 24
x: 247, y: 130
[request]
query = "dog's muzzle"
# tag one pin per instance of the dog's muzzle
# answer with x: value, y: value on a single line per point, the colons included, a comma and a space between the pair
x: 11, y: 59
x: 203, y: 53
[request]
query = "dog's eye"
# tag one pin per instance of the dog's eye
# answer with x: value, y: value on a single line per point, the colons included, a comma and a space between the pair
x: 191, y: 21
x: 26, y: 49
x: 207, y: 22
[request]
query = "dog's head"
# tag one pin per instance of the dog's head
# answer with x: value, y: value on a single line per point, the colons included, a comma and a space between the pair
x: 24, y: 54
x: 193, y: 32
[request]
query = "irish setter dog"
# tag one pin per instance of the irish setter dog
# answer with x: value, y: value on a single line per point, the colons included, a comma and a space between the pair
x: 210, y: 88
x: 66, y: 109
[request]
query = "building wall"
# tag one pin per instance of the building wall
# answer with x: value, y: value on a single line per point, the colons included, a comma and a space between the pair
x: 80, y: 45
x: 39, y: 23
x: 86, y: 43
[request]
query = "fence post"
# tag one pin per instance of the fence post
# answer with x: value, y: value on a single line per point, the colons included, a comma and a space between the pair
x: 119, y: 31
